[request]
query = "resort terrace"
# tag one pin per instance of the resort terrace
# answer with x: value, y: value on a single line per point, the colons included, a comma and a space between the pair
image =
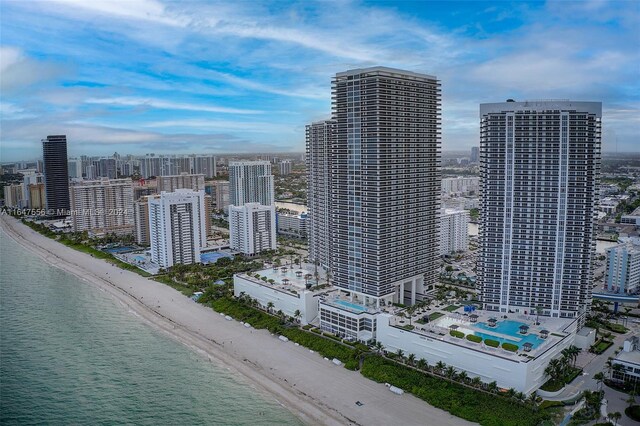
x: 288, y: 279
x: 486, y: 328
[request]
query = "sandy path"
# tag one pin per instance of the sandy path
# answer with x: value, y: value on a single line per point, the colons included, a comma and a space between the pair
x: 315, y: 390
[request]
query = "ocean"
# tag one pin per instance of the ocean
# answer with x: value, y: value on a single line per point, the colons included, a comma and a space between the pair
x: 72, y: 354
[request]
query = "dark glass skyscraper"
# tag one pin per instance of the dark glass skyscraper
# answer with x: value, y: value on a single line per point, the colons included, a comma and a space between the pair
x: 385, y: 183
x: 56, y: 174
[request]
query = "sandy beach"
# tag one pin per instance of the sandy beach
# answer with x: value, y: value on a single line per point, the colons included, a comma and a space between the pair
x: 312, y: 388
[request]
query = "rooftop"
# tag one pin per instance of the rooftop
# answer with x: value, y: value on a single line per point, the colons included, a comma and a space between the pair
x: 632, y: 357
x: 521, y: 330
x: 290, y: 278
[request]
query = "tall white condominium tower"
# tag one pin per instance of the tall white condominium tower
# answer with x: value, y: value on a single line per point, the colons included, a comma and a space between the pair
x: 454, y: 231
x: 250, y: 182
x: 539, y: 167
x: 385, y: 183
x: 177, y: 227
x: 252, y: 228
x: 319, y: 137
x: 102, y: 206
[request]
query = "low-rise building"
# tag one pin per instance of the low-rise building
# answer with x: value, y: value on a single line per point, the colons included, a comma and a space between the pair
x: 522, y: 369
x: 347, y: 316
x: 292, y: 224
x: 632, y: 219
x: 252, y: 228
x: 628, y: 360
x: 288, y: 289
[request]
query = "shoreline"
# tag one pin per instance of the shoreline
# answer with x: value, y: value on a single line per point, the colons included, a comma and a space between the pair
x: 314, y: 390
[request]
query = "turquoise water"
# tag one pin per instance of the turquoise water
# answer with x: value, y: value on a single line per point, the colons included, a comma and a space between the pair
x: 71, y: 354
x: 509, y: 328
x: 349, y: 305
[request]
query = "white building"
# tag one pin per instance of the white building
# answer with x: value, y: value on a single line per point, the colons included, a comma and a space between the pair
x: 454, y: 231
x: 14, y: 196
x: 220, y: 194
x: 461, y: 185
x: 629, y: 360
x: 285, y: 167
x: 102, y: 206
x: 632, y: 219
x: 539, y: 171
x: 522, y: 370
x: 292, y: 225
x: 623, y: 267
x: 252, y: 228
x: 177, y: 227
x: 204, y: 165
x: 250, y: 182
x: 288, y: 288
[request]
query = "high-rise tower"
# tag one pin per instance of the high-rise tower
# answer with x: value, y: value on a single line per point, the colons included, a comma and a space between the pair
x: 539, y: 166
x: 250, y: 182
x: 385, y: 183
x: 56, y: 174
x: 319, y: 137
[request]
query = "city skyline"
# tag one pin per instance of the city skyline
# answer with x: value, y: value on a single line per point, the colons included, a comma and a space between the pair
x: 233, y: 78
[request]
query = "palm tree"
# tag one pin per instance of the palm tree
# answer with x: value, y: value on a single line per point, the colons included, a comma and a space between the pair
x: 476, y: 382
x: 632, y: 398
x: 411, y: 359
x: 297, y: 315
x: 379, y: 347
x: 400, y: 354
x: 450, y: 372
x: 616, y: 416
x: 511, y: 393
x: 599, y: 378
x: 463, y: 377
x: 440, y: 366
x: 492, y: 387
x: 422, y: 364
x: 270, y: 306
x: 533, y: 400
x: 521, y: 397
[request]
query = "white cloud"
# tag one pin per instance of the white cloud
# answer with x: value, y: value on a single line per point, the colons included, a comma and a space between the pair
x: 161, y: 104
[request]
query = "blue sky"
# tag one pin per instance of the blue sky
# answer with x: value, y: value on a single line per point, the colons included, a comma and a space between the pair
x: 246, y: 76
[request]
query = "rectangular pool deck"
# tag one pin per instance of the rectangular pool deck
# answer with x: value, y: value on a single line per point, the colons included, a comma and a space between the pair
x: 506, y: 330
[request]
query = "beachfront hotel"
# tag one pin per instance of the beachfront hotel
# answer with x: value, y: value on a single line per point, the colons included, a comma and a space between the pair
x: 250, y: 182
x: 177, y: 227
x: 385, y: 184
x: 252, y: 228
x: 56, y: 174
x: 539, y: 166
x: 319, y: 137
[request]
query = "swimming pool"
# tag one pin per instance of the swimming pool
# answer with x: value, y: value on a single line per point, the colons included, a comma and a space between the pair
x: 349, y: 305
x: 508, y: 328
